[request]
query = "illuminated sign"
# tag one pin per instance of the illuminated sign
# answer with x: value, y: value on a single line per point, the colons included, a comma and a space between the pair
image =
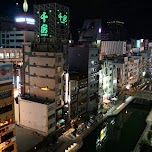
x: 6, y: 73
x: 62, y: 18
x: 138, y: 43
x: 26, y: 20
x: 44, y: 26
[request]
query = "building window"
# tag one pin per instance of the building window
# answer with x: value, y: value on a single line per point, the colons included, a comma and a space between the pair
x: 58, y: 69
x: 51, y: 125
x: 9, y: 149
x: 3, y: 41
x: 11, y: 40
x: 5, y: 109
x: 59, y: 59
x: 58, y: 92
x: 19, y: 40
x: 59, y: 79
x: 19, y: 34
x: 51, y: 116
x: 6, y: 136
x: 3, y: 35
x: 58, y: 102
x: 5, y: 94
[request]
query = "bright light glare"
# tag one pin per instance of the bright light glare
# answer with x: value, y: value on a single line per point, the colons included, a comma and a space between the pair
x: 99, y: 30
x: 21, y: 19
x: 16, y: 93
x: 24, y: 19
x: 144, y: 73
x: 128, y: 86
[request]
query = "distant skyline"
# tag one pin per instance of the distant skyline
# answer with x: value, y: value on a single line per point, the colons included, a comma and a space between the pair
x: 136, y: 14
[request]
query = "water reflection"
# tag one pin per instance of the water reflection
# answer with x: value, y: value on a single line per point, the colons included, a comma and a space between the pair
x: 120, y: 133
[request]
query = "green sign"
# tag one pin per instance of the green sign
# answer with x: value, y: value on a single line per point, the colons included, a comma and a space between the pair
x: 62, y: 18
x: 44, y: 26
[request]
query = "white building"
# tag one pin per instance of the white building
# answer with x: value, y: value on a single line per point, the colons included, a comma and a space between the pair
x: 14, y: 39
x: 107, y: 82
x: 113, y: 47
x: 128, y: 71
x: 42, y: 87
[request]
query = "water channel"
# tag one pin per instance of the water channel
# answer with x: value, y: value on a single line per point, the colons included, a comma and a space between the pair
x: 118, y: 133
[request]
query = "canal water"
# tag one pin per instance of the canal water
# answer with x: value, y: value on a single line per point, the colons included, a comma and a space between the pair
x: 119, y: 133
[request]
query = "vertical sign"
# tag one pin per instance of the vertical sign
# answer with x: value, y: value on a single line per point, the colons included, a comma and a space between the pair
x: 63, y: 18
x: 44, y: 26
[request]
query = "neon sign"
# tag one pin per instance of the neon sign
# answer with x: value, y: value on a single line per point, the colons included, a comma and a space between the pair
x: 62, y: 18
x: 44, y: 26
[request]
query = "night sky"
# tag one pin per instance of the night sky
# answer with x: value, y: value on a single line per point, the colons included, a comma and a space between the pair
x: 136, y: 14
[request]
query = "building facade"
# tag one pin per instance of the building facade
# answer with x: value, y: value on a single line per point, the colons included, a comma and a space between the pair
x: 14, y: 39
x: 107, y: 82
x: 7, y: 117
x: 43, y: 83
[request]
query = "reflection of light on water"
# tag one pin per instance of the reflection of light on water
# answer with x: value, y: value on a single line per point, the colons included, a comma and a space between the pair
x: 112, y: 122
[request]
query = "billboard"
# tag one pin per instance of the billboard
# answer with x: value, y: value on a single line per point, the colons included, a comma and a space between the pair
x: 6, y: 73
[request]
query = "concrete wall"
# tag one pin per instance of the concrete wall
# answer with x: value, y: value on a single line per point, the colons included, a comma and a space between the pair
x: 34, y: 115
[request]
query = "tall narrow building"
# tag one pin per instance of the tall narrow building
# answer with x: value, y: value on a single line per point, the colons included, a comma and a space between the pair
x: 7, y: 118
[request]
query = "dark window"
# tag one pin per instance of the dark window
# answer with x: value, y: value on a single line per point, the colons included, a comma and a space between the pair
x: 11, y: 40
x: 3, y: 35
x: 5, y: 109
x: 19, y: 40
x: 7, y: 41
x: 51, y: 125
x: 51, y: 116
x: 5, y: 94
x: 59, y: 59
x: 7, y: 136
x: 19, y: 34
x: 58, y: 102
x: 59, y: 80
x: 3, y: 41
x: 9, y: 149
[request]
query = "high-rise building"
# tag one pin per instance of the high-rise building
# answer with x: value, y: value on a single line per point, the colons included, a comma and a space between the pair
x: 93, y: 31
x: 85, y: 61
x: 14, y: 39
x: 118, y: 30
x: 42, y: 87
x: 52, y: 24
x: 7, y: 117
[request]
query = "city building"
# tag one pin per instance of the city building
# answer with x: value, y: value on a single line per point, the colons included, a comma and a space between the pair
x: 42, y: 84
x: 14, y: 39
x: 25, y: 22
x: 52, y: 24
x: 128, y: 71
x: 77, y: 95
x: 113, y: 47
x: 118, y: 30
x: 85, y: 61
x: 13, y: 55
x: 92, y: 32
x: 107, y: 82
x: 7, y: 117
